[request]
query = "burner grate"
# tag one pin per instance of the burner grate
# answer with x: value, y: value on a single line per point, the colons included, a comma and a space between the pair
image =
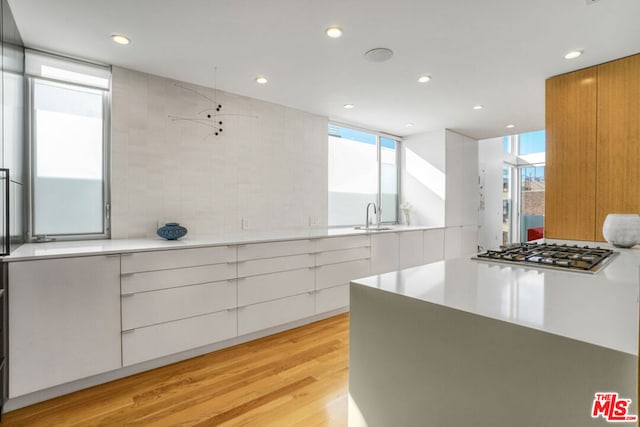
x: 566, y: 257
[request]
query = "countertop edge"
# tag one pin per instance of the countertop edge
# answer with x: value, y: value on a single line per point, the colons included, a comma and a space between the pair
x: 82, y: 248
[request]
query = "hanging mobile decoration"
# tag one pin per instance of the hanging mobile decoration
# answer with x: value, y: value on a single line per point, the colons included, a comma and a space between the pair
x: 209, y: 117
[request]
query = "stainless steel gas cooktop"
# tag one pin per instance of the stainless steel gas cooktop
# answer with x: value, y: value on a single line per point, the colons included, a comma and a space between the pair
x: 583, y: 259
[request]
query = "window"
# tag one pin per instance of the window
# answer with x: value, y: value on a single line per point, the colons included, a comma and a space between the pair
x: 68, y: 115
x: 363, y: 168
x: 524, y: 194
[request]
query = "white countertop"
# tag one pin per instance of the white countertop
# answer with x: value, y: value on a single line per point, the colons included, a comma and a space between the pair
x: 600, y: 309
x: 31, y: 251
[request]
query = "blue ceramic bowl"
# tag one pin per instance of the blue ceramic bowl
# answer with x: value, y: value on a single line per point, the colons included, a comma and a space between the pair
x: 171, y: 231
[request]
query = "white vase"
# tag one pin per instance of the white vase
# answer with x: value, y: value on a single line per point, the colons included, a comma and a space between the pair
x: 622, y: 230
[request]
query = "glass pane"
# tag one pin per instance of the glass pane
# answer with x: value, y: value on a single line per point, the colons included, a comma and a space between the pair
x: 531, y: 203
x: 388, y: 180
x: 506, y: 205
x: 506, y: 144
x: 532, y: 142
x: 68, y: 159
x: 353, y: 175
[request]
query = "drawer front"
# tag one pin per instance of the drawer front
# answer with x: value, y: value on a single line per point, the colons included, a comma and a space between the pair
x: 266, y: 287
x: 343, y: 255
x: 332, y: 298
x: 176, y: 258
x: 274, y: 265
x: 150, y: 308
x: 275, y: 249
x: 160, y: 340
x: 272, y: 313
x: 155, y: 280
x: 335, y: 243
x: 339, y: 274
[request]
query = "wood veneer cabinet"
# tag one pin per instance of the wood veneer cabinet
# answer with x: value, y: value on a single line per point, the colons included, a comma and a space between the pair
x: 618, y: 171
x: 570, y: 173
x: 593, y: 148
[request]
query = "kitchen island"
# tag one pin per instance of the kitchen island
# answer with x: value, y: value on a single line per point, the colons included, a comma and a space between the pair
x: 463, y: 342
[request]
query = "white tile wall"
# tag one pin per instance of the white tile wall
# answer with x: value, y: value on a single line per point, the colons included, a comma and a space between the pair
x: 269, y: 165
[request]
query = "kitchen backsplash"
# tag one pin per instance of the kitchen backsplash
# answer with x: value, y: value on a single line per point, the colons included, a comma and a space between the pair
x: 268, y: 166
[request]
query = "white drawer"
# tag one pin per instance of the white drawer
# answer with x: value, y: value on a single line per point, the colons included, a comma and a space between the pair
x: 274, y: 249
x: 154, y: 280
x: 176, y: 258
x: 343, y: 255
x: 339, y: 274
x: 273, y: 265
x: 160, y: 340
x: 150, y: 308
x: 277, y: 312
x: 272, y: 286
x: 332, y: 298
x: 335, y: 243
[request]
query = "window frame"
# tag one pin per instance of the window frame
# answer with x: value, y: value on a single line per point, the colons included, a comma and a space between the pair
x: 106, y: 165
x: 517, y: 162
x: 378, y: 136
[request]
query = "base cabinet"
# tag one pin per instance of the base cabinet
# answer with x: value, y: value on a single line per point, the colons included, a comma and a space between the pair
x: 332, y: 298
x: 64, y: 317
x: 139, y: 345
x: 267, y: 314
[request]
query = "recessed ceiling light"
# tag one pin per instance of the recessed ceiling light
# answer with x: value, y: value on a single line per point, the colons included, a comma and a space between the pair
x: 510, y: 126
x: 261, y: 80
x: 334, y: 32
x: 573, y: 54
x: 478, y: 107
x: 348, y: 106
x: 424, y: 79
x: 120, y: 39
x: 409, y: 125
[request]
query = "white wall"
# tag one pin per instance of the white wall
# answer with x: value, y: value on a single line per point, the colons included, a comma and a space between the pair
x: 269, y: 165
x: 491, y: 162
x: 423, y: 177
x: 440, y: 180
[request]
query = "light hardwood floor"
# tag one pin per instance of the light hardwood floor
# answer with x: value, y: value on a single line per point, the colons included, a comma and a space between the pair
x: 295, y: 378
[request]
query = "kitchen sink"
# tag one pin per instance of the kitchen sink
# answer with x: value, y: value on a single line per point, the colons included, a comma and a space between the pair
x: 372, y: 228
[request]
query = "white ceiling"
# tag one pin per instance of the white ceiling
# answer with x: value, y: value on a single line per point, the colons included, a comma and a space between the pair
x: 494, y: 52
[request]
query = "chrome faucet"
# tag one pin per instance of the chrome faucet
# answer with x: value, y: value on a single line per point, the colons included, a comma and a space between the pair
x: 375, y: 211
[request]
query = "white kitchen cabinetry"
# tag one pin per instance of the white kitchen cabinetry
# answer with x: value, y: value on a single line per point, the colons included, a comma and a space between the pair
x: 411, y: 248
x: 177, y: 258
x: 384, y: 252
x: 188, y: 301
x: 275, y: 284
x: 64, y: 317
x: 173, y: 337
x: 339, y: 260
x: 267, y: 314
x: 433, y: 245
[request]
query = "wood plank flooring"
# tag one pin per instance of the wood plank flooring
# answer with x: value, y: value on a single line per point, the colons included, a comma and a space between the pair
x: 295, y: 378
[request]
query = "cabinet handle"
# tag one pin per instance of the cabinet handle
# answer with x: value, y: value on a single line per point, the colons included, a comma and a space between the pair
x: 127, y: 274
x: 231, y: 280
x: 128, y: 331
x: 231, y: 309
x: 127, y: 295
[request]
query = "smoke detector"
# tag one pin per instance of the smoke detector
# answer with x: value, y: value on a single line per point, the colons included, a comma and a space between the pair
x: 379, y: 54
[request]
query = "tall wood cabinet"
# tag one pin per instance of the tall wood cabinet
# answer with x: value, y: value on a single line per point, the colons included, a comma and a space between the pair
x: 593, y: 148
x: 618, y: 172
